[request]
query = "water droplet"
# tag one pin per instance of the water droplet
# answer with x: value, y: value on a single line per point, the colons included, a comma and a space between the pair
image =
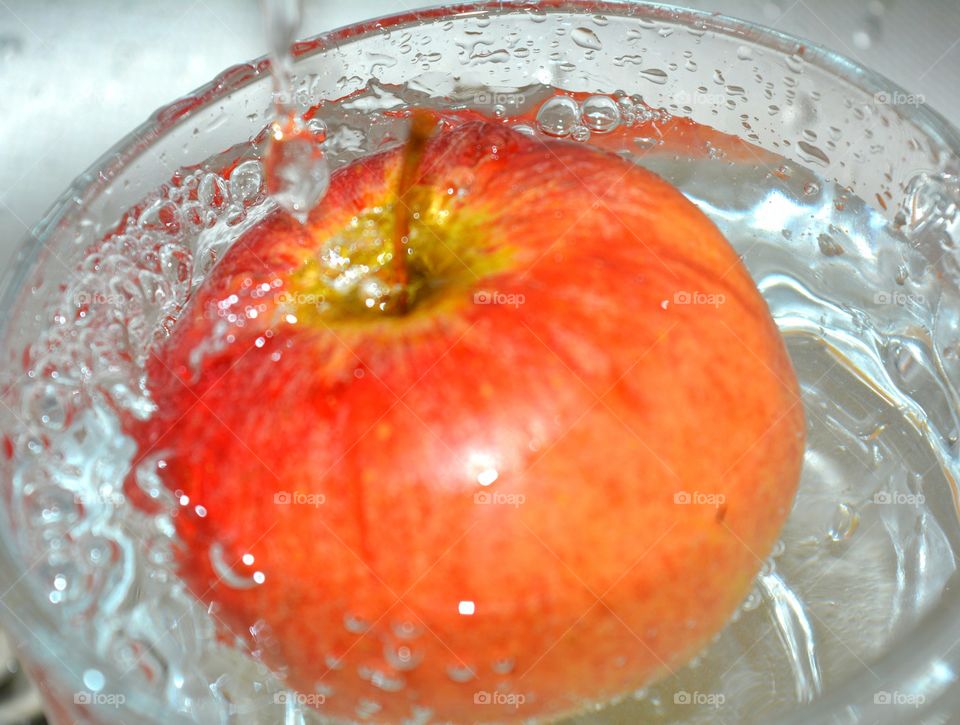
x: 753, y: 600
x: 503, y: 666
x: 812, y: 154
x: 355, y: 624
x: 846, y: 519
x: 633, y: 59
x: 406, y: 629
x: 402, y: 657
x: 645, y: 143
x: 558, y: 116
x: 386, y: 681
x: 586, y: 38
x: 795, y: 63
x: 655, y: 75
x: 460, y: 673
x: 600, y: 114
x: 367, y: 708
x: 333, y: 662
x: 829, y: 247
x: 862, y: 39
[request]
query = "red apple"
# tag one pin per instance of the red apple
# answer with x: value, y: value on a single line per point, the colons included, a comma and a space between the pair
x: 532, y: 466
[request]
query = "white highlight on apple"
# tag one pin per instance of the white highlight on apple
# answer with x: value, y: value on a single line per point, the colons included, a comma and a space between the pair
x: 483, y: 468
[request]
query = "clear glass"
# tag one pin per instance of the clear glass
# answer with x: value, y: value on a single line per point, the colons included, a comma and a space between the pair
x: 799, y: 102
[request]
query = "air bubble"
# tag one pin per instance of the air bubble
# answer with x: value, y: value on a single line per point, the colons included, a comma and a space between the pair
x: 213, y: 191
x: 246, y: 182
x: 600, y: 114
x: 161, y: 216
x: 558, y: 116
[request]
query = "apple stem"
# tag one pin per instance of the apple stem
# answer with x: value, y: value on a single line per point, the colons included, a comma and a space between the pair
x: 422, y: 126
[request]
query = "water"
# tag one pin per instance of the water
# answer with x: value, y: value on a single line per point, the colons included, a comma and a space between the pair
x: 297, y: 173
x: 871, y: 331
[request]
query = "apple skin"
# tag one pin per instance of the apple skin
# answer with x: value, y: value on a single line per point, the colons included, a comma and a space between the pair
x: 599, y: 401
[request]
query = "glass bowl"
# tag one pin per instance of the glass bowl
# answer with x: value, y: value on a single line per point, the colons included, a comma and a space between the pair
x: 828, y: 119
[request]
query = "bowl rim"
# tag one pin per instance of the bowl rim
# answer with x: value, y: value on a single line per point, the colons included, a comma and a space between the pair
x: 894, y: 667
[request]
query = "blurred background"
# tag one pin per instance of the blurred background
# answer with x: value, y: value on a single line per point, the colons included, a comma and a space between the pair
x: 77, y: 75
